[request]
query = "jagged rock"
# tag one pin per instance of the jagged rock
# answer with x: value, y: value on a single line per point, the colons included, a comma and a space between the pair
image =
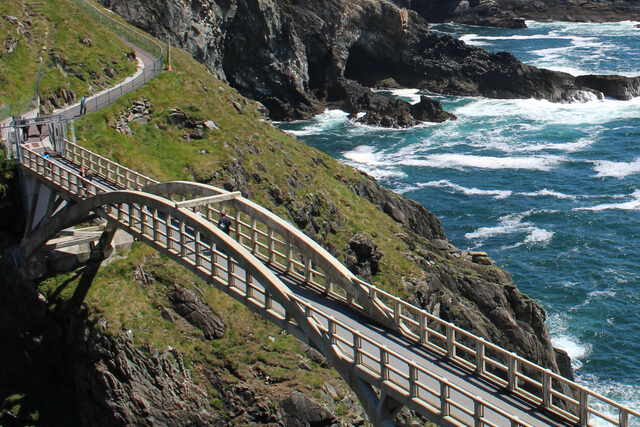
x: 405, y: 211
x: 11, y: 19
x: 617, y: 87
x: 10, y: 45
x: 197, y: 313
x: 210, y: 124
x: 299, y: 411
x: 361, y: 256
x: 314, y: 355
x: 512, y: 13
x: 290, y: 58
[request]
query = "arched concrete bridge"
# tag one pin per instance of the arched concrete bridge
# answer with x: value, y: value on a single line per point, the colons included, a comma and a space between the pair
x: 392, y: 354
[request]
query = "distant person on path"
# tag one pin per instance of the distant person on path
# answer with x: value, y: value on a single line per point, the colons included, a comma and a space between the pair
x: 84, y: 176
x: 224, y: 222
x: 83, y: 106
x: 39, y: 124
x: 25, y: 129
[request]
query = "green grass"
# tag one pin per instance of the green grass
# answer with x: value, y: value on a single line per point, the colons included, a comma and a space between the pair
x: 50, y: 44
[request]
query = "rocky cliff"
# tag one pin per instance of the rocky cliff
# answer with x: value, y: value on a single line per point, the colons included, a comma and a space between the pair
x: 298, y: 57
x: 512, y: 13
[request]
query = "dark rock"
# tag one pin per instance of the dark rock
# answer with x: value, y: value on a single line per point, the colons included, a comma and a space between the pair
x: 617, y: 87
x: 291, y: 58
x: 405, y: 211
x: 197, y: 313
x: 361, y: 256
x: 298, y: 410
x: 429, y: 110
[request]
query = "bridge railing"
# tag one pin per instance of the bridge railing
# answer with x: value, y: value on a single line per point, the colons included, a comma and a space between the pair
x: 538, y: 385
x: 406, y: 380
x: 101, y: 167
x: 282, y: 246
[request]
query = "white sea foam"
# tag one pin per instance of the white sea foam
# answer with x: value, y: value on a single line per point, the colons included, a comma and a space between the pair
x: 599, y: 295
x: 371, y: 161
x: 550, y: 193
x: 512, y: 224
x: 497, y: 194
x: 631, y: 205
x: 462, y: 161
x: 323, y: 123
x: 625, y: 394
x: 548, y: 113
x: 617, y: 169
x: 413, y: 95
x: 561, y: 338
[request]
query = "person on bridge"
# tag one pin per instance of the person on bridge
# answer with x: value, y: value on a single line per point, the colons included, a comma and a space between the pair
x: 84, y: 176
x: 83, y: 106
x: 224, y: 222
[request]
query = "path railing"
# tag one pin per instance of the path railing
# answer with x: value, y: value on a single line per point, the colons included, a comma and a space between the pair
x: 116, y: 91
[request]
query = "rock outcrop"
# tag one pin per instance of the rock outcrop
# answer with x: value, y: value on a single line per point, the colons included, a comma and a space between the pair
x: 296, y: 57
x: 512, y: 13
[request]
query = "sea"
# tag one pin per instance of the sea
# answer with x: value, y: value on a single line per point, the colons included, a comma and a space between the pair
x: 550, y: 191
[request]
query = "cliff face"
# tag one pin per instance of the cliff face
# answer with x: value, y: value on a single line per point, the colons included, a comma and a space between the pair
x: 297, y: 57
x: 512, y: 13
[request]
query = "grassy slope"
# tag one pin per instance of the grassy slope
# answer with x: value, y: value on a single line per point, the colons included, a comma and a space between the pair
x: 56, y: 28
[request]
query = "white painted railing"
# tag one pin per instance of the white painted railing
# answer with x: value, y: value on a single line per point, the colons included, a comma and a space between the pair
x: 281, y: 246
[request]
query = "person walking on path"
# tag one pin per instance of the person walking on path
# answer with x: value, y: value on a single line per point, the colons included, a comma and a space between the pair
x: 84, y: 177
x: 224, y: 222
x: 83, y: 106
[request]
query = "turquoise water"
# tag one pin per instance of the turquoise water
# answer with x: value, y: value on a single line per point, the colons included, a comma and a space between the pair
x: 550, y: 191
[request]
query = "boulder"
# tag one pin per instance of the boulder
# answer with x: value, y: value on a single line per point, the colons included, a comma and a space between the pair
x: 616, y: 87
x: 197, y: 312
x: 361, y: 256
x: 298, y: 410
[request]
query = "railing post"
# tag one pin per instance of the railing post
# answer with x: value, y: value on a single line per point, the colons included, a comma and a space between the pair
x: 384, y: 362
x: 584, y: 407
x: 480, y: 363
x: 254, y: 236
x: 512, y: 365
x: 270, y: 246
x: 423, y: 328
x: 197, y: 242
x: 451, y: 339
x: 307, y: 270
x: 183, y: 241
x: 289, y: 255
x: 397, y: 311
x: 357, y: 346
x: 445, y: 408
x: 413, y: 382
x: 624, y: 417
x: 478, y: 412
x: 546, y: 389
x: 332, y: 331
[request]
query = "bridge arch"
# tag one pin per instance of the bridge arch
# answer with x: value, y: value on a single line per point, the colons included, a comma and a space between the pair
x: 220, y: 260
x: 335, y: 271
